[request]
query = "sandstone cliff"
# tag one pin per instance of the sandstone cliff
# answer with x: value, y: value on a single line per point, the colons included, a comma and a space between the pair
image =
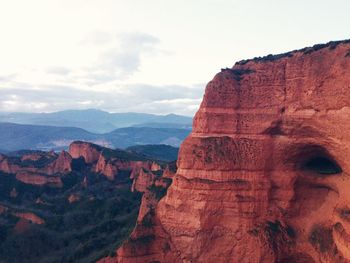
x: 110, y: 162
x: 63, y: 164
x: 38, y: 179
x: 47, y: 168
x: 89, y: 151
x: 264, y: 175
x: 48, y: 163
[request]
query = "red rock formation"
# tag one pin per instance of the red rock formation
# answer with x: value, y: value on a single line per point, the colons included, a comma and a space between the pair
x: 31, y: 217
x: 142, y: 245
x: 99, y: 159
x: 107, y: 167
x: 90, y: 152
x: 142, y: 242
x: 142, y: 181
x: 170, y: 170
x: 22, y: 226
x: 73, y: 198
x: 264, y: 176
x: 35, y: 156
x: 155, y: 167
x: 6, y: 166
x: 41, y: 162
x: 63, y: 164
x: 39, y: 179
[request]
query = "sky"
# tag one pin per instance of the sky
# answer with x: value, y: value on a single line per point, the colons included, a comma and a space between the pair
x: 153, y: 56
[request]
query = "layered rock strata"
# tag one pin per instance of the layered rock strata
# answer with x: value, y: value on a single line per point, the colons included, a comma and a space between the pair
x: 264, y: 175
x: 90, y: 152
x: 47, y: 168
x: 39, y: 179
x: 44, y: 162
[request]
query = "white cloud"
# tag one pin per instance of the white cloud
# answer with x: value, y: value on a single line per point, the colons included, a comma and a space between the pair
x: 123, y: 59
x: 124, y: 98
x: 58, y: 71
x: 62, y: 54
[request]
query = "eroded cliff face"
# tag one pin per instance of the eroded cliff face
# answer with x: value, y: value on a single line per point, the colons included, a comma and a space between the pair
x: 90, y: 152
x: 38, y: 168
x: 48, y: 168
x: 265, y: 174
x: 38, y: 179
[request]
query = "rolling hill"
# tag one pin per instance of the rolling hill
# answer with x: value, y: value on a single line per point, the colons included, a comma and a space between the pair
x: 159, y: 152
x: 15, y: 137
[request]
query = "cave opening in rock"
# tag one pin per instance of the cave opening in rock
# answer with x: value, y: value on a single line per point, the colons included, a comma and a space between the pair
x: 322, y: 165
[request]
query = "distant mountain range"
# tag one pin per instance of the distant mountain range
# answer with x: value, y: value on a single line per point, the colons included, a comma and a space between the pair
x: 37, y: 137
x: 98, y: 121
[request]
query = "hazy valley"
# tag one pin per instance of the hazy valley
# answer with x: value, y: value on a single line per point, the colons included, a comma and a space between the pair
x: 20, y: 131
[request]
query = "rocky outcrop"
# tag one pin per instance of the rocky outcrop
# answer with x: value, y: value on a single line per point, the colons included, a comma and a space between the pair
x: 142, y: 181
x: 6, y: 166
x: 264, y: 175
x: 36, y: 156
x: 89, y: 151
x: 31, y: 217
x: 148, y: 179
x: 25, y: 219
x: 38, y: 162
x: 109, y: 162
x: 63, y: 164
x: 73, y: 198
x: 22, y: 226
x: 155, y: 167
x: 38, y: 179
x: 41, y: 168
x: 142, y: 245
x: 107, y: 167
x: 170, y: 170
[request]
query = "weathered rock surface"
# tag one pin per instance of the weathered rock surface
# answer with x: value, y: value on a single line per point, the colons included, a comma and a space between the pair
x: 41, y: 162
x: 106, y: 167
x: 89, y: 151
x: 38, y: 179
x: 265, y: 174
x: 148, y: 237
x: 31, y: 217
x: 63, y: 164
x: 73, y: 198
x: 110, y: 162
x: 6, y: 166
x: 47, y: 168
x: 142, y: 181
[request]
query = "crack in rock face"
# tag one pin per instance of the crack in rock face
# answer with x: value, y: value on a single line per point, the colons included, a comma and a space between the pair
x: 274, y: 130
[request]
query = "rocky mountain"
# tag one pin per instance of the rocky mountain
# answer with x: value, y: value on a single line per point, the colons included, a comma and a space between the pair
x: 15, y: 137
x: 97, y: 121
x: 76, y: 206
x: 264, y: 175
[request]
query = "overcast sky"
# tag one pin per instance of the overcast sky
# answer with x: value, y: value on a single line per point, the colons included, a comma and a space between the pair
x: 153, y: 56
